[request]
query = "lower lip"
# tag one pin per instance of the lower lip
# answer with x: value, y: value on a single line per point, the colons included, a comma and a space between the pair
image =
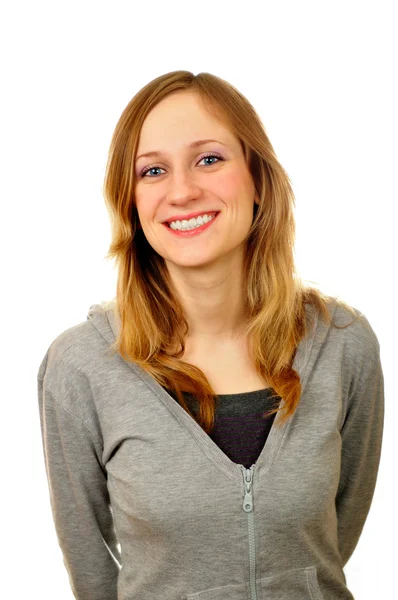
x: 191, y: 232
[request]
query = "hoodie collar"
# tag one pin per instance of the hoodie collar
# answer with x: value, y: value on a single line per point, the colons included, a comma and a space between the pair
x: 105, y: 318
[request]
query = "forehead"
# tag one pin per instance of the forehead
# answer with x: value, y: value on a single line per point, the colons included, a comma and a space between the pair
x: 180, y: 117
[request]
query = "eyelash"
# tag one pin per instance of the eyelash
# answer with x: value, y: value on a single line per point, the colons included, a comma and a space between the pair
x: 207, y: 155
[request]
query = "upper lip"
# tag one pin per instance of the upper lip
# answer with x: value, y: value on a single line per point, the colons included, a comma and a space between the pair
x: 190, y: 215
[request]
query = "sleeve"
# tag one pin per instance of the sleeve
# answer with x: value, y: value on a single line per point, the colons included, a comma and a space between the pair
x: 361, y: 436
x: 79, y: 500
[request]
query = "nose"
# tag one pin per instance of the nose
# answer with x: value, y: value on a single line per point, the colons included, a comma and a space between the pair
x: 182, y: 188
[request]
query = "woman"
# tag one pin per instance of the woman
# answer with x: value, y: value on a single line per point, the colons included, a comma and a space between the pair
x: 215, y: 431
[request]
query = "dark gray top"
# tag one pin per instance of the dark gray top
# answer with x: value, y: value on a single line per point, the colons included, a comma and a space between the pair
x: 240, y: 428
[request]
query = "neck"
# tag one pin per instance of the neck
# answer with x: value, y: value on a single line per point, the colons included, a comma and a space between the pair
x: 213, y: 305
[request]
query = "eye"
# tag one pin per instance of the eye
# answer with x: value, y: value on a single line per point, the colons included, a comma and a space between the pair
x: 147, y: 171
x: 207, y: 155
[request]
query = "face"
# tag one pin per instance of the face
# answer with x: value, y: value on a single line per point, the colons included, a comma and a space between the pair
x: 181, y: 180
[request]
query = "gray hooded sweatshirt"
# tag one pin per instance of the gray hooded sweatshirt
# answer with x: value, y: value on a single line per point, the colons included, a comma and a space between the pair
x: 147, y: 506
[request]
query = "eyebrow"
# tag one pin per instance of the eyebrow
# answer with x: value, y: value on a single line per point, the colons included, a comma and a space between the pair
x: 193, y: 145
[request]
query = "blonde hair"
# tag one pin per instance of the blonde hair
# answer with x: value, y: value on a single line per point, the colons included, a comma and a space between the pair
x: 153, y: 325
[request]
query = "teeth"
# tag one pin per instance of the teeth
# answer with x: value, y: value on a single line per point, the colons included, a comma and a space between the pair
x: 192, y: 223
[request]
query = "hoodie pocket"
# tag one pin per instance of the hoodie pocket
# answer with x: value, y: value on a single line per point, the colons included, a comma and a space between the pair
x: 297, y: 584
x: 300, y: 584
x: 228, y: 592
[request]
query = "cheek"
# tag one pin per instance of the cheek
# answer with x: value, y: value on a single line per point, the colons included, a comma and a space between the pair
x: 233, y: 185
x: 144, y: 206
x: 227, y: 185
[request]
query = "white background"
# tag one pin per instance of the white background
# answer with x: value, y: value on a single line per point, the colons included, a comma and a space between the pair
x: 322, y: 76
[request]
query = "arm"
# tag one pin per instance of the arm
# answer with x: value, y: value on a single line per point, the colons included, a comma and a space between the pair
x: 361, y: 436
x: 79, y: 500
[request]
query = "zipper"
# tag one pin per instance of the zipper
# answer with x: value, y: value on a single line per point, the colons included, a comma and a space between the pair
x: 248, y: 508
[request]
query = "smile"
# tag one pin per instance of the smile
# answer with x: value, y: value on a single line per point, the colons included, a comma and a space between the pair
x: 194, y: 231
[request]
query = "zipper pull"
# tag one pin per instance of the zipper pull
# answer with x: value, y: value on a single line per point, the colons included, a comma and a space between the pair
x: 248, y: 499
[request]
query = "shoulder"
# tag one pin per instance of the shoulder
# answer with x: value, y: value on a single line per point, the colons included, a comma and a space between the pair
x: 360, y: 343
x: 71, y: 360
x: 358, y: 327
x: 348, y: 323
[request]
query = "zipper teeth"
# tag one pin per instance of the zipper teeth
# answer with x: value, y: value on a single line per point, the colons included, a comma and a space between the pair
x: 252, y: 556
x: 248, y: 507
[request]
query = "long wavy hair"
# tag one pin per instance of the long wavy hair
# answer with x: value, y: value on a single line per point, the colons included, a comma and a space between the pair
x: 153, y: 325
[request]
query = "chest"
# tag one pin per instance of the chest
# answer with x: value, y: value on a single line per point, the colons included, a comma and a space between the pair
x: 228, y: 367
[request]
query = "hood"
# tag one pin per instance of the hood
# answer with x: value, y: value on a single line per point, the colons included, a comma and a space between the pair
x: 106, y: 320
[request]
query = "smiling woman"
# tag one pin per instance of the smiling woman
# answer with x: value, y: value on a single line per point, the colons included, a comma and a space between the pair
x: 219, y: 418
x: 198, y: 147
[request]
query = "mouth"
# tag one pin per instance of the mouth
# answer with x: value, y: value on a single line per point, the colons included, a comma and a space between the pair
x: 194, y: 215
x: 195, y: 230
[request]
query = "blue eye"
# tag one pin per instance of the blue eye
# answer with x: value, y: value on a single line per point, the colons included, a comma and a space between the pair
x: 147, y: 171
x: 208, y: 155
